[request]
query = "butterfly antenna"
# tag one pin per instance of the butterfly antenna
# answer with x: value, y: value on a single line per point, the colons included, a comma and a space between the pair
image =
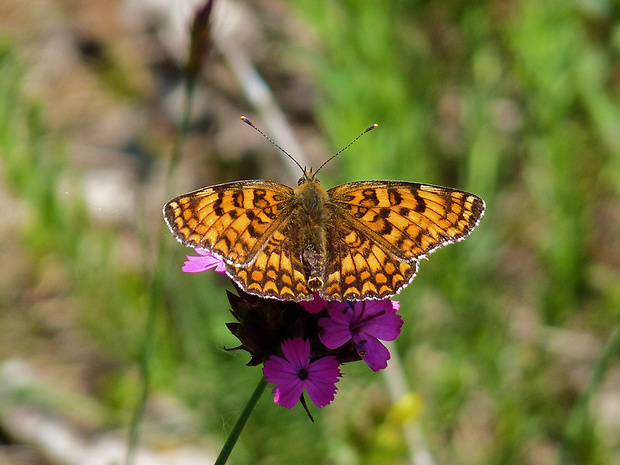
x: 370, y: 128
x: 251, y: 124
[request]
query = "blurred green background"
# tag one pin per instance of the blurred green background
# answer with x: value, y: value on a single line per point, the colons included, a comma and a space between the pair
x: 511, y: 338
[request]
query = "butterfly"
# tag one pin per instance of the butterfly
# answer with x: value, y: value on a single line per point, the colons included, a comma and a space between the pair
x: 360, y: 240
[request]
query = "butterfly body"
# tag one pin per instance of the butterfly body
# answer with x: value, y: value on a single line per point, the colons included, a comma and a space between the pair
x: 355, y: 241
x: 311, y: 221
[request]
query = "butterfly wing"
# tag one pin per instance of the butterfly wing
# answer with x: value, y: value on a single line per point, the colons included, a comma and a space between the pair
x: 277, y: 271
x: 409, y: 219
x: 361, y: 265
x: 383, y: 227
x: 232, y: 220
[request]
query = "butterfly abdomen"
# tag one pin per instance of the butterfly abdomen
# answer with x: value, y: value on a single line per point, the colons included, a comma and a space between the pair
x: 311, y: 221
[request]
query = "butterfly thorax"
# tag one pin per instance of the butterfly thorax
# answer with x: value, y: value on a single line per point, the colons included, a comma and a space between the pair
x: 310, y: 225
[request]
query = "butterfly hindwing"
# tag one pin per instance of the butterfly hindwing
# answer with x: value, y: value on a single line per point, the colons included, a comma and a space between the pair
x: 359, y: 267
x: 277, y: 270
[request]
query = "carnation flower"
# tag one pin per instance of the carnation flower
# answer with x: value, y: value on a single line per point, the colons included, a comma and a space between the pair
x: 364, y: 322
x: 313, y: 345
x: 298, y: 371
x: 315, y: 306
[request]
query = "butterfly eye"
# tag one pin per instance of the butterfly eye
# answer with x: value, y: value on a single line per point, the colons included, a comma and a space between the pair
x: 301, y: 180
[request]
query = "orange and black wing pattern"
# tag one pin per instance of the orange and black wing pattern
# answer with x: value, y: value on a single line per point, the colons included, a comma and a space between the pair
x: 382, y: 228
x: 232, y: 220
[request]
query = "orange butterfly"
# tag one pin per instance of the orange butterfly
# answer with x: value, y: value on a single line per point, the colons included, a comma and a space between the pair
x: 360, y: 240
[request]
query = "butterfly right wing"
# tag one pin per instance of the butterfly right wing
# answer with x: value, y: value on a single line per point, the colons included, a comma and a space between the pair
x: 360, y: 266
x: 277, y: 271
x: 232, y: 220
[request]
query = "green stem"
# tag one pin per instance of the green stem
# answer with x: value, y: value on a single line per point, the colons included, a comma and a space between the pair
x: 183, y: 130
x: 147, y: 344
x: 236, y: 431
x: 158, y: 278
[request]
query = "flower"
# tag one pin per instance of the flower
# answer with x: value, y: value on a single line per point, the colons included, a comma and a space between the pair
x: 204, y: 262
x: 364, y: 322
x: 298, y: 371
x: 200, y: 39
x: 315, y: 306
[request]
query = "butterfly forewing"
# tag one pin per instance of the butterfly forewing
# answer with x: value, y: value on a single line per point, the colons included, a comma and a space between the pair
x: 232, y: 220
x: 409, y: 220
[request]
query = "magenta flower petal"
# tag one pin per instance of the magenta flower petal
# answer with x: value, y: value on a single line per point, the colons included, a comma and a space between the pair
x: 315, y: 306
x: 365, y: 322
x: 205, y: 261
x: 284, y: 375
x: 321, y: 382
x: 334, y: 334
x: 288, y: 395
x: 373, y: 352
x: 296, y: 351
x: 279, y: 370
x: 342, y: 312
x: 385, y: 324
x: 298, y: 372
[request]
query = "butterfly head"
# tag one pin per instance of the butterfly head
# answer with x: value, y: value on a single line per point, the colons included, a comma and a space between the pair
x: 308, y: 176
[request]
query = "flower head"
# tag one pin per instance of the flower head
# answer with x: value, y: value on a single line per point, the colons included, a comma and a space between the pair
x: 200, y: 39
x: 205, y: 261
x: 298, y: 371
x: 363, y: 322
x: 300, y: 346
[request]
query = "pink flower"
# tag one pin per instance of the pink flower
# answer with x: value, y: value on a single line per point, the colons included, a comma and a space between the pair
x: 365, y: 322
x: 298, y: 372
x: 315, y: 306
x: 204, y: 262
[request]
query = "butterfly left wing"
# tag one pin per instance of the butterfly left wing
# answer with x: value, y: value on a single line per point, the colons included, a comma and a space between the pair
x: 232, y: 220
x: 410, y: 220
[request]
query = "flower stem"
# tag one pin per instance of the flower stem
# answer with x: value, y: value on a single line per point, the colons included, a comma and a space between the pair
x: 183, y: 128
x: 157, y: 279
x: 236, y: 431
